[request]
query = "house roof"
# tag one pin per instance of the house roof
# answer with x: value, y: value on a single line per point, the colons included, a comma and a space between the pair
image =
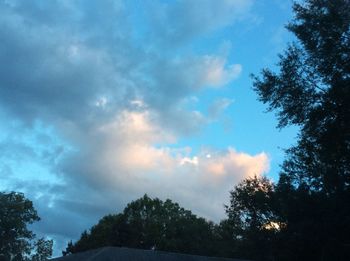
x: 131, y: 254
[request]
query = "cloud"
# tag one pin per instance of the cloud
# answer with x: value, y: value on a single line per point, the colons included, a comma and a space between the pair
x: 184, y: 20
x: 134, y: 164
x: 120, y: 161
x: 95, y: 114
x: 218, y: 106
x: 58, y: 72
x: 216, y: 74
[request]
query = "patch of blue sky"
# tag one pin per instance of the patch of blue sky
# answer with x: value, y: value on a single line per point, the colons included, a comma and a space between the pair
x: 30, y: 153
x: 254, y: 43
x: 27, y: 172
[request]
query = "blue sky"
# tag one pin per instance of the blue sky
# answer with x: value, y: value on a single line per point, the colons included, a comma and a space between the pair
x: 103, y: 101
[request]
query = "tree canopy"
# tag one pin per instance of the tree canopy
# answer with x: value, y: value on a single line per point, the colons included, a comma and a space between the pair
x: 17, y: 242
x: 311, y: 90
x: 150, y: 224
x: 252, y: 217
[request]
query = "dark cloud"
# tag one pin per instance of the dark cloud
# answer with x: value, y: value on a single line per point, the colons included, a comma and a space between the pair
x: 58, y: 69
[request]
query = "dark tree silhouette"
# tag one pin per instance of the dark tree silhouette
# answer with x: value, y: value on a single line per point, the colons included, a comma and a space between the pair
x: 16, y: 240
x: 312, y: 90
x: 252, y: 218
x: 150, y: 224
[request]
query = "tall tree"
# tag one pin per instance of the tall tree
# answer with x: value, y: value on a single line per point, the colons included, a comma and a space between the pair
x: 312, y: 90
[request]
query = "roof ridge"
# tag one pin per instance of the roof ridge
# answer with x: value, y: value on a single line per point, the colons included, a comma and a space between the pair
x: 99, y: 251
x: 127, y: 253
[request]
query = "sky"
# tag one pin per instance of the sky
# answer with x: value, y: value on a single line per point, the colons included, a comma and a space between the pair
x: 104, y: 101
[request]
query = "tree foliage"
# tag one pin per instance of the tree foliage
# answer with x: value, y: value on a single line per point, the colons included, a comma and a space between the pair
x: 43, y: 250
x: 17, y: 242
x: 312, y: 90
x: 150, y: 224
x: 252, y: 218
x: 15, y: 213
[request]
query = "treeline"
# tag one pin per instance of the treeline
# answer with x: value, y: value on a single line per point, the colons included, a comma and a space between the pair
x: 149, y: 223
x: 306, y: 214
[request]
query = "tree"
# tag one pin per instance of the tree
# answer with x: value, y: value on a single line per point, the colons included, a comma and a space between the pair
x: 108, y: 232
x: 15, y: 213
x: 312, y: 90
x: 251, y: 217
x: 43, y: 249
x: 150, y: 224
x: 16, y: 241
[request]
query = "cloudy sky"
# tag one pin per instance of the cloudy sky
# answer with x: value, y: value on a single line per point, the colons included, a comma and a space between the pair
x: 102, y: 101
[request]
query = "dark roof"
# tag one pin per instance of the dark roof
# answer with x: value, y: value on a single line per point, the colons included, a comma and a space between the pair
x: 130, y: 254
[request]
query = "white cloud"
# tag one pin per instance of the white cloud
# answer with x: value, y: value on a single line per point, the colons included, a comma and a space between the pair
x: 218, y: 106
x: 215, y: 74
x: 187, y: 160
x: 133, y: 163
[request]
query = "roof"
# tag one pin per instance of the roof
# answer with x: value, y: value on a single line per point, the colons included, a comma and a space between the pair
x: 130, y: 254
